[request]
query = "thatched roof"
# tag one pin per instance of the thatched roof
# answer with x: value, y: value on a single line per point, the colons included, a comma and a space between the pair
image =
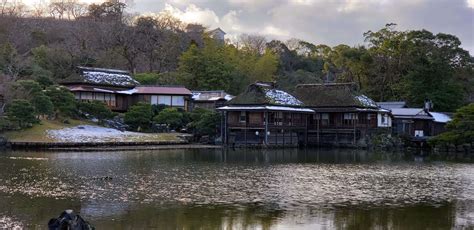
x: 103, y: 77
x: 264, y: 93
x: 334, y: 95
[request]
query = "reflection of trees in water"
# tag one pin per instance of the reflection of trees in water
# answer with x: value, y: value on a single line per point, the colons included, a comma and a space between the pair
x: 191, y: 217
x: 35, y: 213
x: 415, y: 217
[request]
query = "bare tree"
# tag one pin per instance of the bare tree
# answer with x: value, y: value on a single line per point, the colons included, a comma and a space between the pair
x: 252, y: 43
x: 13, y: 8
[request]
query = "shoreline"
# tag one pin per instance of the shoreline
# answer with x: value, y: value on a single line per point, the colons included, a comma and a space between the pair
x: 105, y: 146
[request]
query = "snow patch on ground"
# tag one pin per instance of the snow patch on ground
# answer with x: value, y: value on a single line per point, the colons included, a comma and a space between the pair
x: 9, y: 223
x: 89, y: 133
x: 282, y: 97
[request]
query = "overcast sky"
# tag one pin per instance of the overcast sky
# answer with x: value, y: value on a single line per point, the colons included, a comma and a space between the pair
x: 322, y: 21
x: 330, y: 22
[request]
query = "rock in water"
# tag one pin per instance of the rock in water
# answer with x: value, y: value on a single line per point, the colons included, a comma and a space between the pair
x: 69, y: 220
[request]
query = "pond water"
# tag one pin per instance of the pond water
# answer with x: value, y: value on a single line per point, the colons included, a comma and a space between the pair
x: 237, y: 189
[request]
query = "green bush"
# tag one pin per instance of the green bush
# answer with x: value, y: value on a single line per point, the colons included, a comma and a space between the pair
x: 63, y: 100
x: 460, y: 130
x: 5, y: 124
x: 95, y: 109
x: 43, y: 105
x: 21, y: 111
x: 171, y: 117
x: 205, y: 122
x: 139, y: 117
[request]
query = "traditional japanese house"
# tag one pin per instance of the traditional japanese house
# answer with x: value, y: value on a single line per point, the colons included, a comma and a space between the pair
x: 412, y: 122
x: 110, y: 86
x: 119, y: 90
x: 343, y: 115
x: 172, y: 96
x: 264, y: 115
x: 210, y: 99
x: 416, y: 123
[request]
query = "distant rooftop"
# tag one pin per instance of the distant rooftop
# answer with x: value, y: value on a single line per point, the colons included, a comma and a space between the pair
x: 168, y: 90
x: 213, y: 95
x: 412, y: 113
x: 392, y: 104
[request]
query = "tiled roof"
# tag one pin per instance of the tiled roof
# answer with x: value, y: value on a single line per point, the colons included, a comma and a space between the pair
x: 170, y: 90
x: 414, y: 113
x: 392, y: 104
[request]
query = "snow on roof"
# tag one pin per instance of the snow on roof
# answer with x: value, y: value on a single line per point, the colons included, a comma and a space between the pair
x: 108, y: 78
x: 273, y: 108
x: 211, y: 95
x: 128, y: 92
x: 440, y: 117
x: 281, y: 97
x: 366, y: 101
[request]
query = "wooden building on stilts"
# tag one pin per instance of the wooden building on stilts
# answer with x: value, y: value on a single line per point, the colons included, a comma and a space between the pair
x: 264, y: 116
x: 344, y: 116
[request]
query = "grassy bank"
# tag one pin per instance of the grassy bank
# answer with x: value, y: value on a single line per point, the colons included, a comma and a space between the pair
x: 39, y: 133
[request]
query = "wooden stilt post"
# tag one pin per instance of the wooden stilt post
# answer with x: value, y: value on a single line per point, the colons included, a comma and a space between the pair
x: 266, y: 127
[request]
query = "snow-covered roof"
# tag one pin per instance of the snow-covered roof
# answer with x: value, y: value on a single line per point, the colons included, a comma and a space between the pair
x: 106, y: 78
x: 440, y: 117
x: 260, y: 108
x: 366, y: 101
x: 101, y: 77
x: 333, y: 95
x: 281, y: 97
x: 211, y: 95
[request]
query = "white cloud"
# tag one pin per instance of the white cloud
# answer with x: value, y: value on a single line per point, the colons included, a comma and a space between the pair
x: 275, y: 32
x: 194, y: 14
x: 470, y: 3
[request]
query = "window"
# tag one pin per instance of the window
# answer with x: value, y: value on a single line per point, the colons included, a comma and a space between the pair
x: 178, y: 100
x: 164, y: 100
x: 349, y: 118
x: 242, y: 117
x: 154, y: 100
x: 86, y: 96
x: 99, y: 96
x: 77, y: 95
x: 325, y: 119
x: 384, y: 119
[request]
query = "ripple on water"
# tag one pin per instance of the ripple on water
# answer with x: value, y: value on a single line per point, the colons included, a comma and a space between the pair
x: 286, y: 185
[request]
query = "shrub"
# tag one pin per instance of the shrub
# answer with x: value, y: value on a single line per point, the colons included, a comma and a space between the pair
x: 171, y: 117
x: 205, y: 122
x: 63, y: 100
x: 21, y: 111
x: 95, y: 109
x: 460, y: 130
x: 43, y: 105
x: 139, y: 116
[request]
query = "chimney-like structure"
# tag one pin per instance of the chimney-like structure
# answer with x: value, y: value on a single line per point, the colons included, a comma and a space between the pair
x: 428, y: 105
